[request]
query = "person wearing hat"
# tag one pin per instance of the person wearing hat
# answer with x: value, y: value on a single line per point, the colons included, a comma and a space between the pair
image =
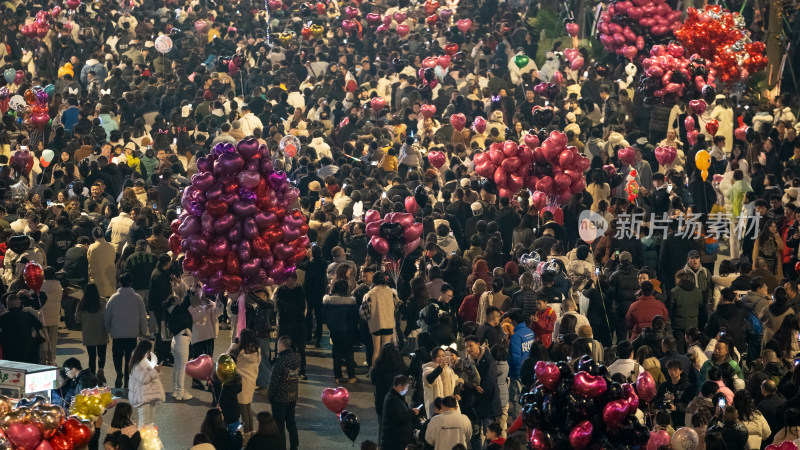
x: 586, y: 337
x: 701, y: 278
x: 724, y: 115
x: 478, y: 213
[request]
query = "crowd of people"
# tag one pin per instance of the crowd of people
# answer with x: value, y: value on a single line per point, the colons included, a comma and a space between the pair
x: 693, y: 281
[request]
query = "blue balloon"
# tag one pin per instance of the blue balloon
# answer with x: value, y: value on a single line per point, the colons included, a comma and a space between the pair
x: 9, y: 75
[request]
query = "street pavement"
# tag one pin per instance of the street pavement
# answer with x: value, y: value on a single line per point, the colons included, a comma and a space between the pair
x: 318, y: 427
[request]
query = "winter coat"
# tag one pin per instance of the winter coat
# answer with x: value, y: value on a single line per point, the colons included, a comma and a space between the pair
x: 757, y: 430
x: 122, y: 310
x: 291, y: 305
x: 487, y: 403
x: 448, y: 429
x: 685, y: 303
x: 340, y: 313
x: 772, y: 318
x: 544, y: 325
x: 51, y: 311
x: 734, y: 434
x: 102, y: 268
x: 641, y: 313
x: 755, y: 303
x: 160, y: 290
x: 93, y: 327
x: 733, y: 317
x: 442, y: 385
x: 247, y: 366
x: 382, y: 301
x: 145, y: 384
x: 284, y: 377
x: 702, y: 279
x: 397, y: 422
x: 598, y: 311
x: 519, y: 346
x: 227, y: 399
x: 682, y: 393
x: 623, y: 285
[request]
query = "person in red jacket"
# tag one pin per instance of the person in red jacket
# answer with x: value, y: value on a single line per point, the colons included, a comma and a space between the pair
x: 544, y: 322
x: 642, y: 311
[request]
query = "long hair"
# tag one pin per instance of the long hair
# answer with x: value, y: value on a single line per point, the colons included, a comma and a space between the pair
x: 213, y: 423
x: 123, y: 415
x: 248, y: 342
x: 743, y: 403
x: 139, y: 353
x: 389, y: 359
x: 90, y: 302
x: 785, y: 334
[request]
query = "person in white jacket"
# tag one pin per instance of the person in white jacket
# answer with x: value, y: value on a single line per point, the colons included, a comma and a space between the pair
x: 50, y: 315
x: 449, y: 428
x: 249, y: 121
x: 724, y: 115
x: 516, y: 72
x: 145, y: 388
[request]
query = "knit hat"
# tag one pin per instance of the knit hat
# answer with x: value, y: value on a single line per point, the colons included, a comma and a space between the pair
x: 477, y: 208
x: 464, y: 182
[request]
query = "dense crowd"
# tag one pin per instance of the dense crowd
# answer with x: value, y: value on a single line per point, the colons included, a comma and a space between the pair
x: 693, y: 281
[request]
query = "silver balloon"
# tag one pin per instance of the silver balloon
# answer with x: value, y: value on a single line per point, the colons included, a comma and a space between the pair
x: 685, y: 439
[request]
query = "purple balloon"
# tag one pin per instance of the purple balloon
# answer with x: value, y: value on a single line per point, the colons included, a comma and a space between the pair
x: 41, y: 97
x: 214, y: 192
x: 245, y: 251
x: 211, y: 289
x: 203, y: 181
x: 411, y: 246
x: 277, y: 180
x: 276, y: 270
x: 207, y: 222
x: 230, y: 163
x: 235, y: 233
x: 251, y: 267
x: 4, y: 93
x: 287, y: 272
x: 295, y: 222
x: 224, y: 147
x: 197, y: 244
x: 219, y: 247
x: 282, y: 251
x: 248, y: 147
x: 291, y: 195
x: 247, y: 194
x: 253, y: 165
x: 267, y: 261
x: 263, y: 151
x: 245, y: 209
x: 290, y: 233
x: 265, y: 218
x: 224, y: 223
x: 196, y: 208
x: 189, y: 226
x: 249, y: 179
x: 229, y: 198
x: 249, y: 228
x: 204, y: 164
x: 266, y: 166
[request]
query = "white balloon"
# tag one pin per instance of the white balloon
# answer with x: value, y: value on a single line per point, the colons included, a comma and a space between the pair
x: 16, y: 102
x: 163, y: 44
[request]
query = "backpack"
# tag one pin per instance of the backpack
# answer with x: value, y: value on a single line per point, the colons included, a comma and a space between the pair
x: 753, y: 325
x: 634, y: 374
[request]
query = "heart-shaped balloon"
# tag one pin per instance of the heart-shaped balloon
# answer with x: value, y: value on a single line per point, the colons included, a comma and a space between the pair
x: 712, y: 126
x: 787, y: 445
x: 646, y: 386
x: 400, y: 17
x: 403, y: 30
x: 698, y: 107
x: 548, y: 374
x: 436, y: 158
x: 627, y: 155
x: 335, y: 400
x: 581, y: 435
x: 591, y: 386
x: 24, y: 435
x: 614, y: 412
x: 459, y: 121
x: 464, y: 25
x: 427, y: 111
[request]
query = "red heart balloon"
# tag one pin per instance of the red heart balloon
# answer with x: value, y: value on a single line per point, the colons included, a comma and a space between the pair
x: 698, y: 107
x: 614, y: 412
x: 436, y: 158
x: 548, y: 374
x: 431, y: 6
x: 646, y: 386
x: 34, y: 275
x: 451, y: 49
x: 335, y: 400
x: 60, y: 442
x: 627, y: 155
x: 591, y: 386
x: 459, y: 121
x: 538, y: 440
x: 77, y: 433
x: 581, y: 435
x: 427, y: 111
x: 411, y: 205
x: 712, y: 126
x: 788, y: 445
x: 216, y: 208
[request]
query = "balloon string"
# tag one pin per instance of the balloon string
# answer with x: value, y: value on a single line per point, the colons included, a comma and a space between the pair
x: 241, y: 322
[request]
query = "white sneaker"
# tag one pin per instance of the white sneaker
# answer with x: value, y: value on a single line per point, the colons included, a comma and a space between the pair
x: 186, y: 396
x: 176, y: 395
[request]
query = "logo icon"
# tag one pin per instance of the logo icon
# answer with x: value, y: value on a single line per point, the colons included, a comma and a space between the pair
x: 591, y: 226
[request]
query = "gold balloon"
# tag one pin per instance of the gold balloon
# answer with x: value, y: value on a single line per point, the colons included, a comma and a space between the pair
x: 5, y: 405
x: 47, y: 422
x: 25, y: 414
x: 317, y: 30
x: 226, y: 368
x: 105, y: 399
x: 55, y: 410
x: 286, y: 37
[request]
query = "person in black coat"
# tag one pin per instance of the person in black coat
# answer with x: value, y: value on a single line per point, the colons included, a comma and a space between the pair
x: 487, y: 402
x: 397, y: 420
x: 341, y: 314
x: 160, y: 290
x: 291, y: 302
x: 314, y: 287
x: 17, y: 331
x: 675, y: 394
x: 214, y: 428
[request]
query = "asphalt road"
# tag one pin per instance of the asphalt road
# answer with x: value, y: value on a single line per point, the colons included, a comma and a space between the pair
x: 178, y: 422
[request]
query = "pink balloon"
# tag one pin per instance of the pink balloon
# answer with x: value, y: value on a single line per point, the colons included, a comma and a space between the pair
x: 657, y: 439
x: 646, y: 386
x: 412, y: 232
x: 688, y: 123
x: 581, y: 435
x: 436, y: 158
x: 200, y: 368
x: 479, y: 124
x: 374, y: 228
x: 380, y: 245
x: 411, y: 246
x: 589, y: 385
x: 24, y: 435
x: 411, y: 205
x: 335, y: 400
x: 372, y: 215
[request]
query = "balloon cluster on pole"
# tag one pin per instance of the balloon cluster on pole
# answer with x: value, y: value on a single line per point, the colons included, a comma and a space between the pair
x: 235, y: 228
x: 32, y: 423
x: 627, y: 27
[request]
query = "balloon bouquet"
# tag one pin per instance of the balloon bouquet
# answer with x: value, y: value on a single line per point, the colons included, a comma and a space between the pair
x: 585, y: 409
x: 627, y: 28
x: 235, y: 229
x: 397, y: 234
x: 336, y: 400
x: 32, y: 423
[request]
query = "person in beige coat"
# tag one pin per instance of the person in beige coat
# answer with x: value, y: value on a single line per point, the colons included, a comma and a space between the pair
x: 248, y: 357
x: 379, y: 311
x: 102, y: 267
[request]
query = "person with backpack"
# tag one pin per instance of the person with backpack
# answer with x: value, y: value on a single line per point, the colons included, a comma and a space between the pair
x: 755, y: 301
x: 730, y: 318
x: 625, y: 364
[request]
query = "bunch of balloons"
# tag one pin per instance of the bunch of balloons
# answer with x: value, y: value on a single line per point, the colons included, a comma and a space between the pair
x: 665, y: 155
x: 574, y: 58
x: 235, y: 228
x: 632, y: 187
x: 629, y: 27
x: 32, y: 423
x: 21, y: 161
x: 336, y: 400
x: 90, y: 404
x: 585, y: 409
x: 668, y: 72
x: 394, y: 236
x: 721, y: 37
x: 36, y: 113
x: 40, y: 27
x: 557, y: 170
x: 14, y: 76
